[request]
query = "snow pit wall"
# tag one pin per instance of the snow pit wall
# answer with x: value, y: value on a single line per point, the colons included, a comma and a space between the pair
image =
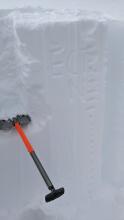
x: 54, y: 67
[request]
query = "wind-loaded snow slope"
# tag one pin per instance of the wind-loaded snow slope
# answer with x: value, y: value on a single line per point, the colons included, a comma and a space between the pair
x: 54, y: 66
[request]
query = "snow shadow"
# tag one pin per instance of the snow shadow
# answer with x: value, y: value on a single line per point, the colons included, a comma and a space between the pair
x: 37, y: 214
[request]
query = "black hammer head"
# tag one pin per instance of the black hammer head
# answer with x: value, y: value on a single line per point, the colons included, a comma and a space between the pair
x: 56, y: 193
x: 8, y: 124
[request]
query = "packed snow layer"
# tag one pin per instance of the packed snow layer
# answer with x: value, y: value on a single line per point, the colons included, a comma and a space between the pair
x: 61, y: 68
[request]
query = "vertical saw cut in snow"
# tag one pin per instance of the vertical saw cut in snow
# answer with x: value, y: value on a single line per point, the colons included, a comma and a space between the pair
x: 18, y: 122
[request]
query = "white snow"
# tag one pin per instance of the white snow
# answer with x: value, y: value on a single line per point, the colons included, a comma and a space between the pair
x: 112, y: 8
x: 64, y: 68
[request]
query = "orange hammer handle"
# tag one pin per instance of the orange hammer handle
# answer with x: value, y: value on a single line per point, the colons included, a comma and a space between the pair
x: 34, y: 156
x: 24, y: 138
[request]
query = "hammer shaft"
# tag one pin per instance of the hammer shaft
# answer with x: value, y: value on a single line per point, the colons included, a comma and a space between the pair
x: 34, y: 156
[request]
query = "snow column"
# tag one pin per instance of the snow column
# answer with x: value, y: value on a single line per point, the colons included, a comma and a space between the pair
x: 71, y: 67
x: 61, y: 66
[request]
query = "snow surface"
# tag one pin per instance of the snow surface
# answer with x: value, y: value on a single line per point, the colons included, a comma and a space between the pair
x: 64, y: 68
x: 112, y: 8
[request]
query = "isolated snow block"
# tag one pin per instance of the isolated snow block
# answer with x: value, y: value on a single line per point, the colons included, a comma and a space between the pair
x: 59, y: 79
x: 68, y: 68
